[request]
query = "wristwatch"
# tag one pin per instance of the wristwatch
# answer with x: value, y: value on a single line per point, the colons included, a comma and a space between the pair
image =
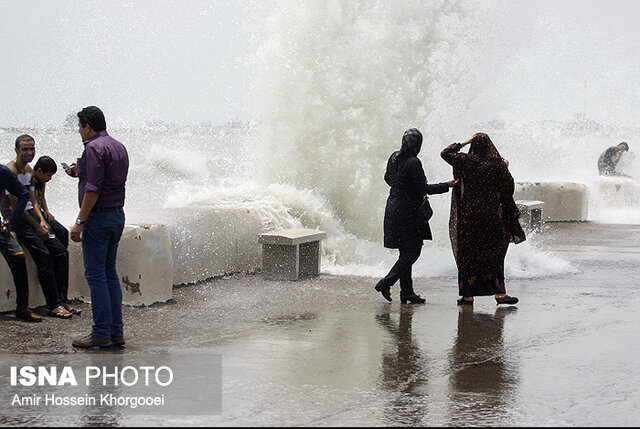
x: 79, y: 222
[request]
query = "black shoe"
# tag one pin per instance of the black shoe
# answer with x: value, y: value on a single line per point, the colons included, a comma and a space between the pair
x: 507, y: 300
x: 91, y: 341
x: 117, y: 340
x: 413, y: 299
x: 463, y: 301
x: 385, y: 291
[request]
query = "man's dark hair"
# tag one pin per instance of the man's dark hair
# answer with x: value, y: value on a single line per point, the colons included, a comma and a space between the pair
x: 47, y: 164
x: 94, y: 117
x: 625, y: 145
x: 23, y: 138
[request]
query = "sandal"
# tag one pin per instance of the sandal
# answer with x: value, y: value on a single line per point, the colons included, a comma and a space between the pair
x: 511, y: 300
x: 60, y: 312
x: 28, y: 315
x: 71, y: 309
x: 463, y: 301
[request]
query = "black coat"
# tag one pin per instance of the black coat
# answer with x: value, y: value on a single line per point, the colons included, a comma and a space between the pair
x: 408, y: 189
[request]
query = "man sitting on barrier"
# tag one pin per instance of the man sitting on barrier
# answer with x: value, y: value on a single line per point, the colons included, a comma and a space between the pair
x: 608, y: 160
x: 43, y: 171
x: 12, y: 252
x: 49, y: 255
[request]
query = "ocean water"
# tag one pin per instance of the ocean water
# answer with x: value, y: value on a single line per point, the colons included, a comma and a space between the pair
x: 326, y: 113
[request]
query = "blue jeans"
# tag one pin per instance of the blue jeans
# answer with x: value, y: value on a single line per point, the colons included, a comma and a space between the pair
x: 100, y: 237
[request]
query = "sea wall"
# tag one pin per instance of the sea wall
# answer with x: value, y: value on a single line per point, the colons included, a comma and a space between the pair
x: 192, y: 245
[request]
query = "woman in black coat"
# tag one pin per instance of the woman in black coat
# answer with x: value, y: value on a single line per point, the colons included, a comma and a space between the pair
x: 402, y: 230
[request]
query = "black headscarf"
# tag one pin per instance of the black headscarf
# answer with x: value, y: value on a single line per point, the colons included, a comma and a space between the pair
x: 411, y: 142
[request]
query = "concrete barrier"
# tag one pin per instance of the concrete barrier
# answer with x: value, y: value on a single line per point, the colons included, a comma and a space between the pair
x: 8, y: 289
x: 564, y: 201
x: 144, y: 265
x: 209, y: 242
x: 181, y: 246
x: 617, y: 192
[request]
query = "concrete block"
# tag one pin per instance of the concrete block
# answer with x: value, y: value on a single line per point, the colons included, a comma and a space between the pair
x: 210, y: 242
x: 144, y: 265
x: 564, y: 201
x: 616, y: 192
x: 291, y: 254
x: 530, y: 213
x: 8, y: 290
x: 179, y: 246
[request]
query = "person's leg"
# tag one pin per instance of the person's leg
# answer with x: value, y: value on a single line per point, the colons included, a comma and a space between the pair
x: 465, y: 290
x: 95, y: 243
x: 14, y: 255
x: 410, y: 255
x: 62, y: 233
x: 60, y: 260
x: 502, y: 297
x: 29, y: 239
x: 116, y: 225
x: 501, y: 290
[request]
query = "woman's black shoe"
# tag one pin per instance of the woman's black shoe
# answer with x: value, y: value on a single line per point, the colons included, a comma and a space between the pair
x: 463, y: 301
x: 385, y: 291
x: 413, y: 299
x: 507, y: 300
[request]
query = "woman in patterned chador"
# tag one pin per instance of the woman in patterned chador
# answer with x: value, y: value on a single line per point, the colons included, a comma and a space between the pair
x: 483, y: 220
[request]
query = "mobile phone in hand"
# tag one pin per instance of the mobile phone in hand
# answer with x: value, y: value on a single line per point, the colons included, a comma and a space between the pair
x: 67, y: 169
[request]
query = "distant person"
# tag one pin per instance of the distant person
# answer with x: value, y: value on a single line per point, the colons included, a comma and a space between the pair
x: 402, y: 230
x: 102, y: 171
x: 11, y: 251
x: 483, y: 219
x: 608, y: 160
x: 43, y: 171
x: 49, y: 255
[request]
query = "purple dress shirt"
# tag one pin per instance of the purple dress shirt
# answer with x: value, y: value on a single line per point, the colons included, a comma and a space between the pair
x: 103, y: 168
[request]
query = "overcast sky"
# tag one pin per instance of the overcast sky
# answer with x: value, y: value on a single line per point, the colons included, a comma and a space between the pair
x: 184, y: 60
x: 564, y: 57
x: 155, y: 59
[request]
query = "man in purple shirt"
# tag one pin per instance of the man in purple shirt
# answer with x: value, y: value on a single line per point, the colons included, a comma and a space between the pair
x: 102, y: 170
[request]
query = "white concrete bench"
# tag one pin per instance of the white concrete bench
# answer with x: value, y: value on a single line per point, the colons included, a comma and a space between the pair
x: 291, y: 254
x: 530, y: 213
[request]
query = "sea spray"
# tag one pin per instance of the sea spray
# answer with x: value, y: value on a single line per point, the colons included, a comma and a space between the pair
x: 337, y: 83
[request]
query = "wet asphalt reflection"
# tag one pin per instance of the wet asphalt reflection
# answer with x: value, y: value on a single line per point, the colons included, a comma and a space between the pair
x: 330, y: 351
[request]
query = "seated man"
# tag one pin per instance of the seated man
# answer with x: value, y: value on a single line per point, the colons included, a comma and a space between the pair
x: 608, y: 160
x: 32, y: 231
x: 43, y: 171
x: 11, y: 251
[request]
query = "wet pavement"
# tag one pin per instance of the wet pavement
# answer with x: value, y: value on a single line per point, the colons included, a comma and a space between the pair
x: 330, y: 351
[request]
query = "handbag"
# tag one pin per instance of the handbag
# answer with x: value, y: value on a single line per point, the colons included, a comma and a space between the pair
x: 425, y: 211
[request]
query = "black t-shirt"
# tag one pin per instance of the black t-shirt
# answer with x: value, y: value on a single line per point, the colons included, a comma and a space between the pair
x: 606, y: 165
